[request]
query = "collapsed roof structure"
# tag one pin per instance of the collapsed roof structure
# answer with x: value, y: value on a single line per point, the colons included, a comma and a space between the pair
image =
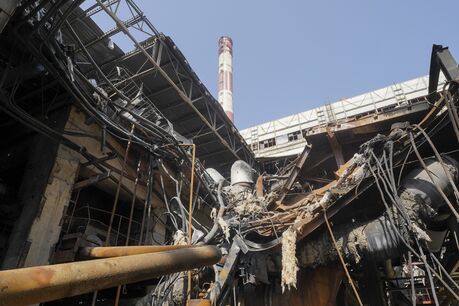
x: 123, y: 182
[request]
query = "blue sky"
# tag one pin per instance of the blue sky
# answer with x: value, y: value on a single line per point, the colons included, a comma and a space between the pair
x: 290, y: 56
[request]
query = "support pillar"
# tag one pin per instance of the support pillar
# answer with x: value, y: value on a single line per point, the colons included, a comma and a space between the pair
x: 46, y: 228
x: 41, y: 158
x: 336, y: 148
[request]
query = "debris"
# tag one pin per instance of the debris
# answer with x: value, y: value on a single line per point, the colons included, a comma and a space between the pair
x: 180, y: 238
x: 289, y: 260
x: 225, y: 228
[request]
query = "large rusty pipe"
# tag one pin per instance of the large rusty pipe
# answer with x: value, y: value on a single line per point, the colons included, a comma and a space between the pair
x: 46, y: 283
x: 105, y: 252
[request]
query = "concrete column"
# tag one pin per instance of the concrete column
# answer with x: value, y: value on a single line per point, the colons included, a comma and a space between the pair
x: 46, y: 228
x: 42, y: 153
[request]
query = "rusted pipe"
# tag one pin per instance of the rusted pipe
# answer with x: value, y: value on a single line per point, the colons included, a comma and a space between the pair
x: 106, y: 252
x: 131, y: 214
x: 117, y: 194
x: 46, y: 283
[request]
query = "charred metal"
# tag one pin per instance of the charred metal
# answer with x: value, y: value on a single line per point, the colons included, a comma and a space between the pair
x: 123, y: 181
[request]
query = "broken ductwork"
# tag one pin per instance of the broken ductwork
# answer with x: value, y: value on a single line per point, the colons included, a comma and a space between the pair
x: 381, y: 239
x: 242, y: 173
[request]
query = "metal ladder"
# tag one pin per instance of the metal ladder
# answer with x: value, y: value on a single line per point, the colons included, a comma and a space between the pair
x: 399, y: 94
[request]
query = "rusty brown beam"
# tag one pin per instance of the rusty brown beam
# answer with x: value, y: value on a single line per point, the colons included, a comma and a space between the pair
x: 106, y: 252
x: 46, y: 283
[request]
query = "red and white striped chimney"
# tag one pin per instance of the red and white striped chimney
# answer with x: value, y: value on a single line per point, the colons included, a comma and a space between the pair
x: 225, y: 75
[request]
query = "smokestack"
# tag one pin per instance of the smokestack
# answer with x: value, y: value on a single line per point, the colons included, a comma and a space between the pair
x: 225, y: 75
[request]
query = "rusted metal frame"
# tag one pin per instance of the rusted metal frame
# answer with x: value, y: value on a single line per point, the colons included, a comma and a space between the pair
x: 294, y: 174
x: 336, y: 147
x: 115, y: 201
x: 46, y: 283
x: 441, y: 59
x: 320, y: 162
x: 307, y: 226
x: 164, y: 74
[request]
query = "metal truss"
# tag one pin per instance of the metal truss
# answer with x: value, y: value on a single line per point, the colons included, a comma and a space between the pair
x: 115, y: 87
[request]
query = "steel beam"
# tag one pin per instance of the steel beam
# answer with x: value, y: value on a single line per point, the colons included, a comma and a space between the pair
x: 179, y: 91
x: 441, y: 59
x: 46, y: 283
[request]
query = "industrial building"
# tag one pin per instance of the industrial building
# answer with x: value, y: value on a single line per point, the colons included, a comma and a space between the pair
x: 123, y: 181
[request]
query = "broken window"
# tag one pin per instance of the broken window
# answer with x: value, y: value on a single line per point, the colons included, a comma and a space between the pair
x: 267, y: 143
x: 294, y: 136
